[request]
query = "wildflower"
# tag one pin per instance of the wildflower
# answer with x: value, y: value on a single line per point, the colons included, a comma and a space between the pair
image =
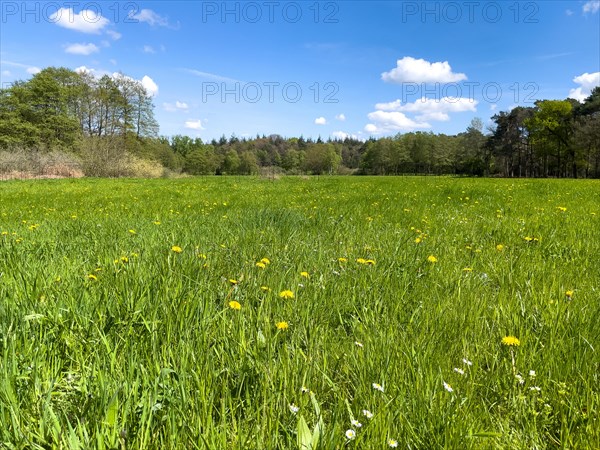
x: 459, y: 371
x: 233, y: 281
x: 355, y: 423
x: 176, y: 249
x: 468, y: 269
x: 448, y: 387
x: 156, y: 222
x: 418, y: 240
x: 467, y: 362
x: 132, y: 231
x: 350, y: 434
x: 361, y: 260
x: 304, y: 274
x: 293, y: 408
x: 282, y: 325
x: 378, y: 387
x: 201, y: 256
x: 265, y: 288
x: 286, y: 294
x: 520, y: 378
x: 304, y: 390
x: 499, y: 247
x: 511, y: 341
x: 392, y: 443
x: 124, y: 259
x: 358, y: 344
x: 561, y: 208
x: 235, y: 305
x: 265, y: 261
x: 261, y: 265
x: 569, y: 294
x: 368, y: 414
x: 370, y: 262
x: 92, y: 277
x: 432, y: 259
x: 342, y: 260
x: 532, y: 373
x: 535, y: 388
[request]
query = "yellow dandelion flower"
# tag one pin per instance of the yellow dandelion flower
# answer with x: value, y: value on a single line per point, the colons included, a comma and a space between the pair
x: 432, y: 259
x: 499, y: 247
x: 511, y: 341
x: 92, y: 277
x: 468, y: 269
x: 561, y: 208
x: 286, y: 294
x: 132, y: 231
x: 265, y: 261
x: 156, y: 222
x: 418, y: 240
x: 282, y: 325
x: 201, y: 256
x: 233, y: 281
x: 260, y: 265
x: 370, y: 262
x: 265, y: 288
x: 342, y: 260
x: 124, y: 259
x: 361, y: 260
x: 235, y: 305
x: 176, y: 249
x: 569, y: 293
x: 304, y: 274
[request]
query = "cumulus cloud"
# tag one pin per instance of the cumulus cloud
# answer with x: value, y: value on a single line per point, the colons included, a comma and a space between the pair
x: 151, y: 18
x: 591, y: 7
x: 320, y: 121
x: 86, y: 21
x: 194, y: 124
x: 33, y: 70
x: 81, y: 49
x: 431, y: 109
x: 341, y: 117
x: 392, y: 121
x: 150, y: 86
x: 341, y: 135
x: 149, y: 49
x: 115, y: 35
x: 587, y: 82
x: 411, y: 70
x: 177, y: 106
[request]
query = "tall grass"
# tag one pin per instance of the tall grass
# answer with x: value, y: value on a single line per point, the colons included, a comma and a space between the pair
x: 119, y: 325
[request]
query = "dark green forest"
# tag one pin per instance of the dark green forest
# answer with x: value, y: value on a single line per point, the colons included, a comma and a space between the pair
x: 77, y: 123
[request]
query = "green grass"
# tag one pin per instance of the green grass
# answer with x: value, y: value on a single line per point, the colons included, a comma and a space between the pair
x: 150, y: 355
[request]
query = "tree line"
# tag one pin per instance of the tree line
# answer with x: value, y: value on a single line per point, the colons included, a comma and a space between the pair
x: 103, y: 121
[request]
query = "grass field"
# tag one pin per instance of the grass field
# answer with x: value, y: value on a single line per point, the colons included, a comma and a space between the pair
x: 427, y: 313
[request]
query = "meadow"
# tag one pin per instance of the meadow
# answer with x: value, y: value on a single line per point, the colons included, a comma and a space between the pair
x: 300, y: 313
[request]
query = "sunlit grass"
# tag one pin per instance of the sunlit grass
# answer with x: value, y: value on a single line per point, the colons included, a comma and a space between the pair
x: 223, y: 313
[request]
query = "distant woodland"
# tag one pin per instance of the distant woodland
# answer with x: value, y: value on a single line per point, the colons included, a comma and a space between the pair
x: 65, y: 123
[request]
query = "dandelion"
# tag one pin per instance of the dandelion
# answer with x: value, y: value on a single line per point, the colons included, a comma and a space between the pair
x: 261, y: 265
x: 342, y: 260
x: 361, y: 260
x: 511, y: 341
x: 282, y: 325
x: 92, y: 277
x: 176, y: 249
x: 355, y: 423
x: 293, y: 408
x: 233, y: 281
x: 265, y: 288
x: 378, y: 387
x: 368, y: 414
x: 468, y: 269
x: 561, y: 208
x: 370, y: 262
x: 350, y: 434
x: 304, y: 274
x: 418, y: 240
x: 569, y: 294
x: 432, y: 259
x: 448, y: 387
x: 265, y: 261
x: 235, y: 305
x: 286, y: 294
x: 156, y: 222
x: 392, y: 443
x: 459, y: 371
x: 499, y: 247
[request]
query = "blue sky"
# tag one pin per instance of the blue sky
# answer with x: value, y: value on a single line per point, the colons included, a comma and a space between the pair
x: 316, y: 68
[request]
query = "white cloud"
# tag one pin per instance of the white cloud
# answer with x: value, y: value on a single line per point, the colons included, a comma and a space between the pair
x: 6, y: 73
x: 98, y: 73
x: 178, y: 106
x: 115, y: 35
x: 151, y: 18
x: 113, y: 62
x: 81, y: 49
x: 587, y: 82
x: 341, y: 117
x: 86, y: 21
x: 341, y: 135
x: 493, y: 106
x: 411, y: 70
x: 591, y: 6
x: 431, y: 109
x: 568, y: 12
x: 194, y: 124
x: 320, y: 121
x: 150, y: 85
x: 390, y: 121
x: 33, y: 70
x: 148, y: 49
